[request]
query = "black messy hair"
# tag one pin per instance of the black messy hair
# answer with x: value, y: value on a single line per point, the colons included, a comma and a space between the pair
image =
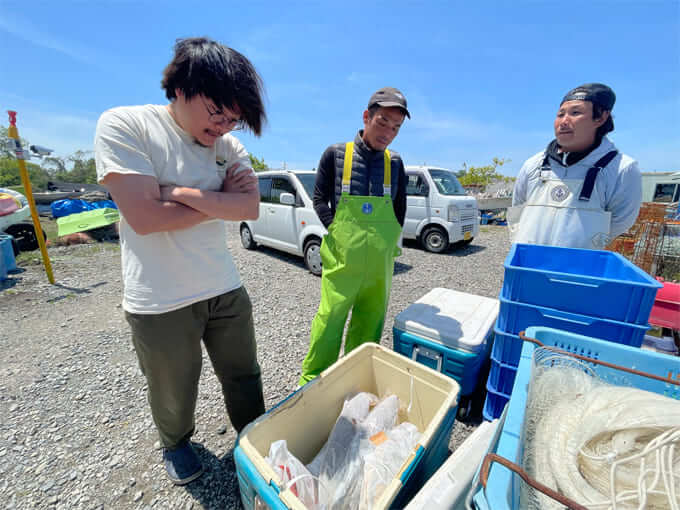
x: 608, y: 126
x: 205, y: 67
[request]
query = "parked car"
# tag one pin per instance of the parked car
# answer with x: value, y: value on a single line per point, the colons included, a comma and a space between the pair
x: 287, y: 218
x: 18, y: 223
x: 439, y: 212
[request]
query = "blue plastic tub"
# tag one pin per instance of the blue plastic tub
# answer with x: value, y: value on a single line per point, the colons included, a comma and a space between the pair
x: 506, y: 347
x: 501, y: 376
x: 7, y: 252
x: 502, y: 491
x: 515, y: 317
x: 587, y: 282
x: 3, y: 268
x: 495, y: 402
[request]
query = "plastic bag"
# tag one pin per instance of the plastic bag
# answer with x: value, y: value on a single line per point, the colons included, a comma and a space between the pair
x: 293, y: 473
x: 340, y: 464
x: 389, y: 451
x: 333, y: 453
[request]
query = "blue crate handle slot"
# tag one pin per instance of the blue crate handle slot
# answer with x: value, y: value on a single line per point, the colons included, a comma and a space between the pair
x: 565, y: 319
x: 568, y: 282
x: 434, y: 356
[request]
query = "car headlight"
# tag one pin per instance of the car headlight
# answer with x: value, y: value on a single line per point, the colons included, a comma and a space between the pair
x: 453, y: 214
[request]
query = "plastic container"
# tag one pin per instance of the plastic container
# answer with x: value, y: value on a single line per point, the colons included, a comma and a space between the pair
x: 494, y: 403
x: 515, y: 317
x: 7, y: 252
x: 506, y: 347
x: 502, y: 376
x: 502, y: 490
x: 448, y: 487
x: 449, y: 331
x: 3, y: 269
x: 306, y: 418
x: 664, y: 345
x: 666, y: 309
x: 587, y: 282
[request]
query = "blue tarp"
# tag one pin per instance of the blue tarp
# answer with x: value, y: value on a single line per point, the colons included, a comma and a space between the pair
x: 68, y: 206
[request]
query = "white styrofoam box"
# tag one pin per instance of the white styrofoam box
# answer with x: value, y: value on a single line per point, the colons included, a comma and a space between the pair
x: 455, y: 319
x: 449, y: 486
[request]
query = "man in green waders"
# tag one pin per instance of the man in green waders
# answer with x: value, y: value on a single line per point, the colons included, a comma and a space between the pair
x: 360, y: 197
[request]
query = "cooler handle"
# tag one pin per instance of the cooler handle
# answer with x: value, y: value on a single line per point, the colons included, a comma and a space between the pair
x: 557, y: 280
x: 428, y: 354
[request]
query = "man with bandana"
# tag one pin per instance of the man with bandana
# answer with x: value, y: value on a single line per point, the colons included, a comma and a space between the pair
x: 580, y: 192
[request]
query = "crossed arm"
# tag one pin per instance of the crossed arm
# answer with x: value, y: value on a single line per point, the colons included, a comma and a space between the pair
x: 149, y: 208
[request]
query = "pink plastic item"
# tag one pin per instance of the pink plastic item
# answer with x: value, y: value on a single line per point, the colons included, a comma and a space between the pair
x: 666, y: 310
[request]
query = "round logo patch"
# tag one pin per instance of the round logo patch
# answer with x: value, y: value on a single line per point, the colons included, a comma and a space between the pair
x: 367, y: 208
x: 560, y: 192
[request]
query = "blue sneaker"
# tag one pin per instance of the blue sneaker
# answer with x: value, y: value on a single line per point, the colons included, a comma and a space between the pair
x: 182, y: 464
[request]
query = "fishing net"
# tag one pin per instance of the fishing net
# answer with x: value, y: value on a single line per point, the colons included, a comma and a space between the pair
x: 603, y: 445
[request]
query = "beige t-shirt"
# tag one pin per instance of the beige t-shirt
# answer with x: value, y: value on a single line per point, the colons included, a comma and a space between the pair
x: 165, y: 271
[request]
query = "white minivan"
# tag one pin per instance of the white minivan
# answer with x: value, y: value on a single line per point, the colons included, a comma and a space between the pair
x: 287, y: 218
x: 439, y: 212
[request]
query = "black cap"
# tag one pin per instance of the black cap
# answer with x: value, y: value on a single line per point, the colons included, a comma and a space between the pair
x: 389, y: 96
x: 593, y: 92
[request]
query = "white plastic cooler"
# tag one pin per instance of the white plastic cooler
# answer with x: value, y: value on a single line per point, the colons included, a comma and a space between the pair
x: 449, y: 331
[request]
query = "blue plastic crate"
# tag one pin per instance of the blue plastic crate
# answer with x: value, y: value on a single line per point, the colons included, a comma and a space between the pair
x: 515, y: 317
x: 506, y: 347
x: 502, y: 491
x: 587, y: 282
x: 462, y: 366
x: 495, y: 402
x: 501, y: 376
x: 7, y: 252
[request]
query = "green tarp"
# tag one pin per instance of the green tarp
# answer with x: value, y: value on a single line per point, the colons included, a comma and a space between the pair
x: 86, y: 220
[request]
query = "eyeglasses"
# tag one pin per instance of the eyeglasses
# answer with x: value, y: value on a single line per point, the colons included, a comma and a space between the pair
x: 219, y: 119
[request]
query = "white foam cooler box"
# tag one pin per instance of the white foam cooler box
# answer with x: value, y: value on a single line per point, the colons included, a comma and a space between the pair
x: 306, y: 418
x: 449, y: 331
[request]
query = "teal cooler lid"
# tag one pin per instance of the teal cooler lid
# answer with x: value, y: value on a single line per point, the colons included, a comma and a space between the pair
x: 455, y: 319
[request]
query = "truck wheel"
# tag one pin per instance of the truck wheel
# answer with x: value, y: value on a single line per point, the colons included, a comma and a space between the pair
x: 312, y: 253
x: 435, y: 240
x: 24, y: 234
x: 247, y: 238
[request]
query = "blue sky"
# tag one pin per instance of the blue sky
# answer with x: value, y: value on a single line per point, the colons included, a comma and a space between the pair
x: 483, y: 79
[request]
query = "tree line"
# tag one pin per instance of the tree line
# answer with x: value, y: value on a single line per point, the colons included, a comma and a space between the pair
x: 80, y: 167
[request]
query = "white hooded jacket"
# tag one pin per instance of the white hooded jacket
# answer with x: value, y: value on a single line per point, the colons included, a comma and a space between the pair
x: 618, y: 189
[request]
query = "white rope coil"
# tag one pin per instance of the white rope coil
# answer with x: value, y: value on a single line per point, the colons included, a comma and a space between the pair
x: 603, y: 446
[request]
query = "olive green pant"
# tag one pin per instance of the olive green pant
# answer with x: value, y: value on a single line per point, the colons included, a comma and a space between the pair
x: 168, y: 347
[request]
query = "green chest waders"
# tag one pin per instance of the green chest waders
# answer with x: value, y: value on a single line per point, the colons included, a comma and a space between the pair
x: 358, y: 262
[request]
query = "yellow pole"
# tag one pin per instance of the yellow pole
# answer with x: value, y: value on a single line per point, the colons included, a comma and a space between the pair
x: 13, y: 133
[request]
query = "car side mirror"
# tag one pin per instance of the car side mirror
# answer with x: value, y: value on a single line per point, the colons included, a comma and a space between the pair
x: 287, y: 199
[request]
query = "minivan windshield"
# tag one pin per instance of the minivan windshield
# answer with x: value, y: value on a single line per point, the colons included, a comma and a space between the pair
x: 446, y: 181
x: 308, y: 181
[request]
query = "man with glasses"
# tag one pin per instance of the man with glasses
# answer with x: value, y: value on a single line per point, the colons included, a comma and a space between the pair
x: 176, y: 173
x: 360, y: 197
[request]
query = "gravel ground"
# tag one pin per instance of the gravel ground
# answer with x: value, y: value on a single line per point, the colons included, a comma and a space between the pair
x: 75, y: 428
